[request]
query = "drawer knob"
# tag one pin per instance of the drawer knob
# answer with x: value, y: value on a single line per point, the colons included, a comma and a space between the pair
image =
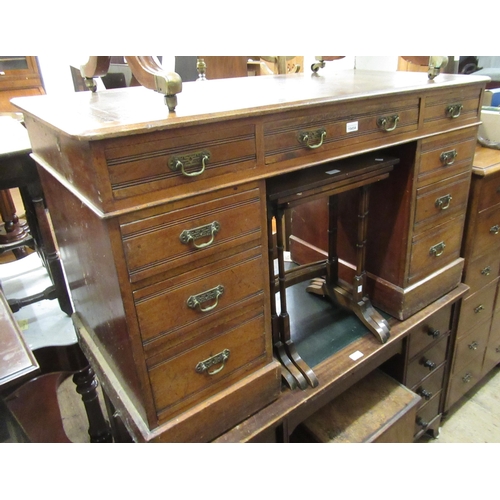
x: 448, y: 157
x: 388, y: 123
x: 314, y: 139
x: 438, y: 249
x: 434, y: 333
x: 208, y: 296
x: 188, y: 161
x: 454, y: 110
x: 425, y: 394
x: 486, y: 271
x: 422, y: 422
x: 495, y: 229
x: 429, y: 364
x: 444, y: 202
x: 200, y: 232
x: 221, y: 358
x: 466, y: 378
x: 479, y: 308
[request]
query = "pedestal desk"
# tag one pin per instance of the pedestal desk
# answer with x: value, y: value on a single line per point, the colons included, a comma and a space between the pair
x: 160, y: 218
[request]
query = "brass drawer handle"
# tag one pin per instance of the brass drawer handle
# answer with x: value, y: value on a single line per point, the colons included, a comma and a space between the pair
x: 479, y: 308
x: 495, y: 229
x: 188, y: 161
x: 497, y: 349
x: 438, y: 249
x: 443, y: 202
x: 388, y: 123
x: 486, y: 271
x: 222, y: 357
x: 200, y: 232
x: 454, y: 110
x: 473, y: 346
x: 213, y: 294
x: 448, y: 157
x: 466, y: 378
x: 313, y: 137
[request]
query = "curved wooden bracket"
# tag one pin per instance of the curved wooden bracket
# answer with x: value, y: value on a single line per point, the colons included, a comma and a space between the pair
x: 95, y: 66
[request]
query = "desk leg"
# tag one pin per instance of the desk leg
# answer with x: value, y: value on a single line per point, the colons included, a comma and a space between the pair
x: 14, y: 230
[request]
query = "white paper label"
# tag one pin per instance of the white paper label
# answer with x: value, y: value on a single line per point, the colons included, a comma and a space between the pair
x: 356, y: 355
x: 360, y: 288
x: 331, y: 172
x: 351, y: 127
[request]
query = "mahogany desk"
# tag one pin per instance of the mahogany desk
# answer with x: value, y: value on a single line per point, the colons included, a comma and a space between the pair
x: 161, y: 221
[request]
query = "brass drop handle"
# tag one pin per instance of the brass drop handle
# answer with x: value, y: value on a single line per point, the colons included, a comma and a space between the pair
x: 497, y: 349
x: 486, y: 271
x: 473, y: 346
x: 188, y: 161
x: 495, y: 229
x: 438, y: 249
x: 208, y: 296
x: 220, y: 358
x: 425, y: 394
x: 388, y: 123
x: 200, y: 232
x: 466, y: 378
x: 454, y: 110
x: 429, y: 364
x: 479, y: 308
x: 434, y: 333
x: 315, y: 137
x: 448, y: 157
x: 444, y: 202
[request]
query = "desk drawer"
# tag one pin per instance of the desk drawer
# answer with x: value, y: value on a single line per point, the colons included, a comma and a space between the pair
x: 178, y: 234
x: 482, y: 271
x: 137, y: 166
x: 427, y: 413
x: 476, y: 309
x: 206, y: 369
x: 441, y: 201
x: 430, y: 385
x: 435, y: 248
x: 426, y: 363
x: 490, y: 192
x: 487, y: 232
x: 471, y: 346
x: 449, y: 108
x: 187, y: 300
x: 445, y: 156
x: 438, y: 325
x: 332, y: 128
x: 464, y: 380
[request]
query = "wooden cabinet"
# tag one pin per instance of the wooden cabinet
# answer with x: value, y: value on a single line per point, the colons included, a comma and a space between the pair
x: 160, y: 220
x: 477, y: 347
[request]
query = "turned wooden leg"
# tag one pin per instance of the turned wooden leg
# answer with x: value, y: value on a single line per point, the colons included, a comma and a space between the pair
x: 86, y: 386
x: 14, y: 230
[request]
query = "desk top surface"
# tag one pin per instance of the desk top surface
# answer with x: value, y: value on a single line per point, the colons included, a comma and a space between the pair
x: 133, y: 110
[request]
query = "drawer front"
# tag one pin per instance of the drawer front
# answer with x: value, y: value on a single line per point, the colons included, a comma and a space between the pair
x: 437, y: 326
x: 495, y: 329
x: 441, y: 201
x: 491, y: 356
x: 482, y: 271
x: 431, y: 385
x: 451, y: 108
x: 435, y: 248
x: 179, y: 159
x: 445, y: 156
x: 167, y: 237
x: 471, y: 346
x: 187, y: 300
x: 330, y: 129
x: 427, y: 413
x: 476, y: 309
x: 487, y: 232
x: 464, y: 380
x: 490, y: 192
x: 426, y: 363
x: 209, y: 367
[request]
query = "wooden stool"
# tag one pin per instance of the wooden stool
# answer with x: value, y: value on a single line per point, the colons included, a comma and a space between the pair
x: 300, y: 187
x: 377, y: 409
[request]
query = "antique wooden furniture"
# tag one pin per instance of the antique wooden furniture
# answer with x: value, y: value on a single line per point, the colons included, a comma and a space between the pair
x: 477, y: 347
x: 160, y: 218
x: 377, y: 409
x: 18, y: 169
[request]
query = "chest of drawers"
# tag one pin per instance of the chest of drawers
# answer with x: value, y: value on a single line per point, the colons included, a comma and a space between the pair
x: 476, y: 350
x: 159, y: 217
